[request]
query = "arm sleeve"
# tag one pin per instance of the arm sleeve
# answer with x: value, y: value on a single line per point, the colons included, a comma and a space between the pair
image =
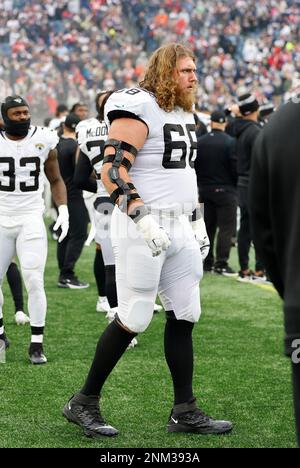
x: 259, y: 211
x: 82, y: 174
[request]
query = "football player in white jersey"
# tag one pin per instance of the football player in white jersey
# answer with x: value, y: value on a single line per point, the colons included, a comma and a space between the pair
x: 91, y: 136
x: 26, y: 154
x: 148, y: 171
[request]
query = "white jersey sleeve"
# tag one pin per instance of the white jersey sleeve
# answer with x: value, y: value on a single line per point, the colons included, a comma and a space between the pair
x: 135, y: 103
x: 51, y: 137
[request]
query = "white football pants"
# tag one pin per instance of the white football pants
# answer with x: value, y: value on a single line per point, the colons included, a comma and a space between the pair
x: 25, y: 235
x: 174, y: 274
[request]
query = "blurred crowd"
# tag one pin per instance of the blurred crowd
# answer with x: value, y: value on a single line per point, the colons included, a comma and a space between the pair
x: 59, y: 51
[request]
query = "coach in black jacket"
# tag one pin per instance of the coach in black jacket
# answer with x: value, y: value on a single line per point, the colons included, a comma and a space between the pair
x: 275, y: 213
x: 215, y: 167
x: 247, y: 129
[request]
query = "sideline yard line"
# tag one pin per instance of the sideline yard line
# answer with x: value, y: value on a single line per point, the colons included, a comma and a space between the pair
x: 267, y: 287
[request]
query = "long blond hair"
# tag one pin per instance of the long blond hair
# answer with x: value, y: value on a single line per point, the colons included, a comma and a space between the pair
x: 159, y: 77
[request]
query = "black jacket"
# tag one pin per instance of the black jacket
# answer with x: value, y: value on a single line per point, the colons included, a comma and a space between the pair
x: 275, y: 208
x: 246, y: 132
x: 215, y: 164
x: 66, y: 154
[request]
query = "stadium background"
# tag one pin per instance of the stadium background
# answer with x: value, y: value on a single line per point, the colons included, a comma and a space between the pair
x: 59, y: 51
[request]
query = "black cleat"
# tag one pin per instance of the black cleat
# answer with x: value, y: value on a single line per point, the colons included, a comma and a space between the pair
x: 36, y: 354
x: 84, y: 411
x: 187, y: 417
x: 225, y: 271
x: 72, y: 283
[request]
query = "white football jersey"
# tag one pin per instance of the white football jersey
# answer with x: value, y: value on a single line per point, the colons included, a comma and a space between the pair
x: 163, y: 171
x: 22, y: 176
x: 91, y: 136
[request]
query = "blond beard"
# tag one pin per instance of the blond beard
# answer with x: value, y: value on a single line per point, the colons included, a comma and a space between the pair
x: 186, y: 99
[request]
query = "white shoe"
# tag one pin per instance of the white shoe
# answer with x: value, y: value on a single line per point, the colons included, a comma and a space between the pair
x: 21, y: 318
x: 132, y: 343
x: 111, y: 314
x: 157, y: 308
x: 102, y: 305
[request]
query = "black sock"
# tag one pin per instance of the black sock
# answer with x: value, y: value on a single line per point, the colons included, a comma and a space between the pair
x: 99, y: 273
x: 179, y: 357
x: 110, y: 283
x: 296, y: 391
x: 2, y: 325
x: 111, y: 345
x: 15, y: 283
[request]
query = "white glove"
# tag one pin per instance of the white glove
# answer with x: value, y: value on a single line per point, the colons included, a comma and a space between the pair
x: 62, y: 221
x: 201, y: 236
x: 155, y: 235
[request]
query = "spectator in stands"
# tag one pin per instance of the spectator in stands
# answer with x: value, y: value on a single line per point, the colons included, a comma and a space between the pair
x: 43, y: 57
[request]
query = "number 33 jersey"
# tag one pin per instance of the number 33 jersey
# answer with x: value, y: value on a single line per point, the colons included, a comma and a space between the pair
x: 22, y: 170
x: 163, y: 171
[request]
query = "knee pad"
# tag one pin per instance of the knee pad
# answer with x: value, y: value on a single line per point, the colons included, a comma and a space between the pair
x: 33, y: 280
x: 31, y: 261
x: 139, y: 314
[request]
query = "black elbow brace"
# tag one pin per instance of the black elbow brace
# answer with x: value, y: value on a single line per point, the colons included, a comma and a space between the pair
x: 118, y: 159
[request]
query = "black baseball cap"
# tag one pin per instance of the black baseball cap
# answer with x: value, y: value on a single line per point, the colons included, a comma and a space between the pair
x: 218, y: 116
x: 71, y: 121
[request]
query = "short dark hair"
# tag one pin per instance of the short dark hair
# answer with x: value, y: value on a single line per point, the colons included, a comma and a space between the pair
x: 76, y: 105
x: 61, y: 108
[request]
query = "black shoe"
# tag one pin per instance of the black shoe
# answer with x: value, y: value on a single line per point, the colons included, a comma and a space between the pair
x: 72, y: 283
x: 187, y: 417
x: 225, y: 271
x: 36, y: 354
x: 84, y: 411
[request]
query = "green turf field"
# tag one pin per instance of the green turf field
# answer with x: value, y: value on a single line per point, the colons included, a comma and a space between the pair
x: 240, y: 371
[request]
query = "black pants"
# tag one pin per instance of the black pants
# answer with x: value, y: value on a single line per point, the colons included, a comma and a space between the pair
x: 245, y: 232
x: 69, y: 250
x: 219, y: 212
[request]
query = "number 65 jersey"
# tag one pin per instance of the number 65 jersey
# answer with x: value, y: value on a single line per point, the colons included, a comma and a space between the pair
x: 163, y: 171
x: 22, y: 170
